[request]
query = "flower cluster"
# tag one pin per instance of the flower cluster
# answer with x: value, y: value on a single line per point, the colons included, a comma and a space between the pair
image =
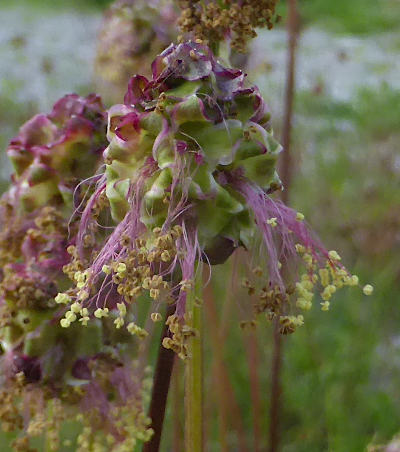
x: 190, y: 169
x: 213, y: 21
x: 132, y: 31
x: 49, y: 372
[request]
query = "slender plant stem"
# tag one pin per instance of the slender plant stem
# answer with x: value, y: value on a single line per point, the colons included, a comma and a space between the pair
x: 161, y: 383
x: 177, y: 408
x: 227, y: 401
x: 252, y: 352
x: 194, y: 371
x: 286, y: 163
x: 286, y: 175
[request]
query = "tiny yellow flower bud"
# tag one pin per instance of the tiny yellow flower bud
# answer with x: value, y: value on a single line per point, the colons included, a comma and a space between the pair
x: 299, y: 216
x: 368, y: 289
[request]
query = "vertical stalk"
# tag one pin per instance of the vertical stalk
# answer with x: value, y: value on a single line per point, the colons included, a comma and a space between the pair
x: 286, y: 175
x: 159, y: 396
x: 228, y: 405
x: 194, y: 370
x: 252, y: 352
x: 177, y: 409
x: 286, y: 163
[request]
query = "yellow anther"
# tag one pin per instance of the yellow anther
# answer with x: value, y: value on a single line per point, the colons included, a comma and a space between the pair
x: 146, y: 283
x: 70, y: 316
x: 353, y: 281
x: 186, y: 285
x: 84, y: 312
x: 121, y: 267
x: 136, y: 330
x: 300, y: 248
x: 84, y: 320
x: 368, y: 289
x: 75, y: 307
x: 99, y: 313
x: 62, y: 298
x: 154, y: 293
x: 326, y: 294
x: 334, y: 255
x: 307, y: 284
x: 178, y: 230
x: 304, y: 304
x: 325, y: 306
x: 119, y: 322
x: 331, y: 289
x: 272, y: 222
x: 299, y: 216
x: 122, y: 309
x: 324, y: 275
x: 165, y: 256
x: 258, y: 271
x: 106, y: 269
x: 157, y: 231
x: 155, y: 316
x: 65, y: 323
x: 83, y: 295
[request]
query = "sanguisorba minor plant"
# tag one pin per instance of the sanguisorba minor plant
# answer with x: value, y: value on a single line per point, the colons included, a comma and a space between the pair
x: 96, y: 233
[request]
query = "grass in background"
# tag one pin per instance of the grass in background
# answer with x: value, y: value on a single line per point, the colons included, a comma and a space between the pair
x: 360, y: 17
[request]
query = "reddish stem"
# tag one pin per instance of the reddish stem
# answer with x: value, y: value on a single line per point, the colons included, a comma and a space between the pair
x: 161, y: 384
x: 227, y: 399
x: 286, y: 175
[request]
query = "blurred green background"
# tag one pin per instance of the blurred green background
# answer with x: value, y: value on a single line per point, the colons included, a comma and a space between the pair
x: 341, y: 371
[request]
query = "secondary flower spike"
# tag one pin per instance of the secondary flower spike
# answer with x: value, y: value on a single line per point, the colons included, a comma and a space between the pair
x: 54, y: 151
x: 48, y: 373
x: 190, y: 168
